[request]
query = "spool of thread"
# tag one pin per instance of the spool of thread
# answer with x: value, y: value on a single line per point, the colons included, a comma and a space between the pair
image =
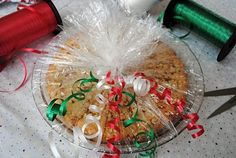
x: 25, y: 26
x: 213, y: 27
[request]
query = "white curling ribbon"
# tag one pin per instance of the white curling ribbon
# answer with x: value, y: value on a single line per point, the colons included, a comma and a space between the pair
x: 101, y: 99
x: 95, y: 109
x: 101, y: 85
x: 79, y: 136
x: 129, y: 80
x: 120, y: 80
x: 52, y: 145
x: 90, y: 120
x: 141, y: 86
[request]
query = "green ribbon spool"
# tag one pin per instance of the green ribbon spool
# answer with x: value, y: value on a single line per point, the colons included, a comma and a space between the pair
x: 213, y: 27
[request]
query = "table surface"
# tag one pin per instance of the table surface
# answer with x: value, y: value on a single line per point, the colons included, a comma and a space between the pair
x: 23, y: 132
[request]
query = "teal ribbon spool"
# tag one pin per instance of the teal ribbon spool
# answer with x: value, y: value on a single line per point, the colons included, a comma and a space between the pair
x: 213, y: 27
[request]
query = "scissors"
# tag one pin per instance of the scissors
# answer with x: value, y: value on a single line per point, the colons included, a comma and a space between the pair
x: 227, y: 105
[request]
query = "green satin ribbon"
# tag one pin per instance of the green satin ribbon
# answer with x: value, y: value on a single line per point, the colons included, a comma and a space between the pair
x: 133, y: 120
x: 132, y: 100
x: 55, y: 109
x: 205, y: 22
x: 149, y: 134
x: 83, y: 82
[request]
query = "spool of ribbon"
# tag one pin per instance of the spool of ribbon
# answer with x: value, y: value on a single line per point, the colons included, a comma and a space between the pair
x: 213, y: 27
x: 25, y: 26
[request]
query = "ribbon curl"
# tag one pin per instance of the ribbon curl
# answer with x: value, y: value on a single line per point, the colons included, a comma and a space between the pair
x: 142, y: 86
x: 114, y: 99
x: 179, y: 104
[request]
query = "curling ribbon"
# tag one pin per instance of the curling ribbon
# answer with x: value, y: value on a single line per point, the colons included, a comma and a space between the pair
x: 114, y: 99
x: 149, y: 134
x: 143, y: 86
x: 25, y: 26
x: 179, y: 104
x: 95, y: 120
x: 203, y: 21
x: 23, y: 80
x: 52, y: 145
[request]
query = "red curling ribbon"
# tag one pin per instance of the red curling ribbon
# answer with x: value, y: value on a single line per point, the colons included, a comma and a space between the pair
x: 115, y: 93
x: 32, y: 50
x: 179, y: 104
x: 114, y: 108
x: 108, y: 78
x: 122, y: 81
x: 112, y: 124
x: 24, y: 78
x: 197, y: 127
x: 115, y: 98
x: 26, y: 26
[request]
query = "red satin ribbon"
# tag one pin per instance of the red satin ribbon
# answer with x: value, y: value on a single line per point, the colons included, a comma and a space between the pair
x: 32, y: 50
x: 23, y: 27
x: 24, y: 78
x: 8, y: 47
x: 115, y: 98
x: 179, y: 104
x: 108, y: 78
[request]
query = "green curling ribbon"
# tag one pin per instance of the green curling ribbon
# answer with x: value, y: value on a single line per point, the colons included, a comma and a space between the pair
x: 150, y: 153
x: 78, y: 96
x: 133, y: 120
x: 83, y: 81
x: 203, y: 21
x: 55, y: 109
x: 132, y: 100
x: 150, y: 134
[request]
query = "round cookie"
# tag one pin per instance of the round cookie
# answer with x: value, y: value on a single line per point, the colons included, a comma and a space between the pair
x: 163, y: 66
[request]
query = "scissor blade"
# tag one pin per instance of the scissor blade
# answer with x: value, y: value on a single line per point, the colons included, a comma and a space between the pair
x: 229, y: 104
x: 222, y: 92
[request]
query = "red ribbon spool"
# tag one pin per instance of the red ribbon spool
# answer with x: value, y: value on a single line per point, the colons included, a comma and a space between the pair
x: 25, y: 26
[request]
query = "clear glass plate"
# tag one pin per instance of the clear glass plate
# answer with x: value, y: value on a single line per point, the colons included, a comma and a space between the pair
x: 194, y: 97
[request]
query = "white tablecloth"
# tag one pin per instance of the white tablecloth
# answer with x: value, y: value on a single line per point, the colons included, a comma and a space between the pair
x: 23, y: 132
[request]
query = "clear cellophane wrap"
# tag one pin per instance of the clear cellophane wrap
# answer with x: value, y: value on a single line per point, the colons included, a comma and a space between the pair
x: 115, y: 83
